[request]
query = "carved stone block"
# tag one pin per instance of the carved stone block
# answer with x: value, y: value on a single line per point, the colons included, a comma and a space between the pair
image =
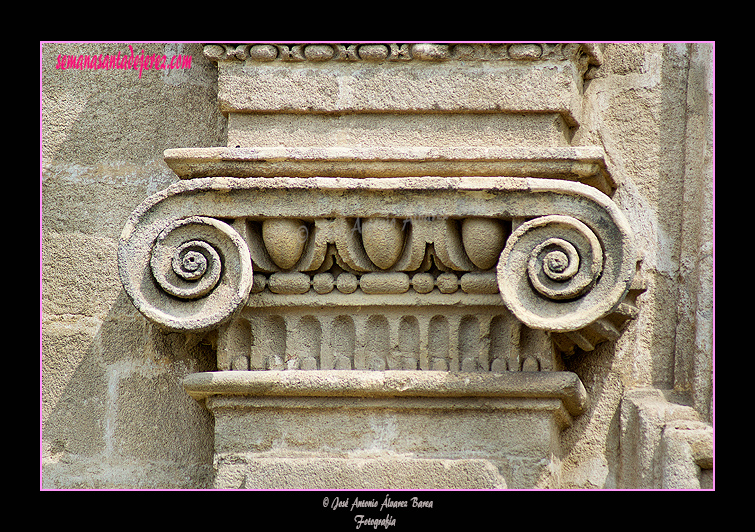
x: 558, y: 254
x: 349, y: 421
x: 380, y: 304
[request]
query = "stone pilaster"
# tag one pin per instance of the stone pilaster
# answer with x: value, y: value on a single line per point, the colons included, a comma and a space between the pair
x: 399, y: 242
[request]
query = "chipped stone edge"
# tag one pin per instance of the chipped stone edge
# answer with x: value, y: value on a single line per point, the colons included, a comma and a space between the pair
x: 562, y: 385
x: 584, y: 164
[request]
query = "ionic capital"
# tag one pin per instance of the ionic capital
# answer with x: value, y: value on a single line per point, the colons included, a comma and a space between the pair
x: 558, y: 255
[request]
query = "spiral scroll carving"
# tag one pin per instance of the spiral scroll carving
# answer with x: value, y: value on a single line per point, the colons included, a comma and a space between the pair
x: 549, y: 273
x: 189, y: 270
x: 558, y: 271
x: 202, y: 273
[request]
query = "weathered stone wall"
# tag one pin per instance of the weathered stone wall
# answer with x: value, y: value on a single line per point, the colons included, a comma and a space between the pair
x: 650, y: 107
x: 114, y: 412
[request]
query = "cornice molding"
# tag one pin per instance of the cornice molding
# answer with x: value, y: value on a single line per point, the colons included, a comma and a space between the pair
x: 584, y: 164
x: 564, y: 386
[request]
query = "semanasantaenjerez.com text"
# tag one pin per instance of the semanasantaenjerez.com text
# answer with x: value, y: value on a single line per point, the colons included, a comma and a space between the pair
x: 139, y: 62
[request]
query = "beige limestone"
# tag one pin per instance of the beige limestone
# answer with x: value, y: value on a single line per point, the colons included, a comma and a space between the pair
x: 337, y: 216
x: 633, y: 121
x: 348, y: 88
x: 561, y: 385
x: 414, y: 420
x: 673, y: 449
x: 584, y: 164
x: 356, y: 473
x: 369, y: 130
x: 102, y: 143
